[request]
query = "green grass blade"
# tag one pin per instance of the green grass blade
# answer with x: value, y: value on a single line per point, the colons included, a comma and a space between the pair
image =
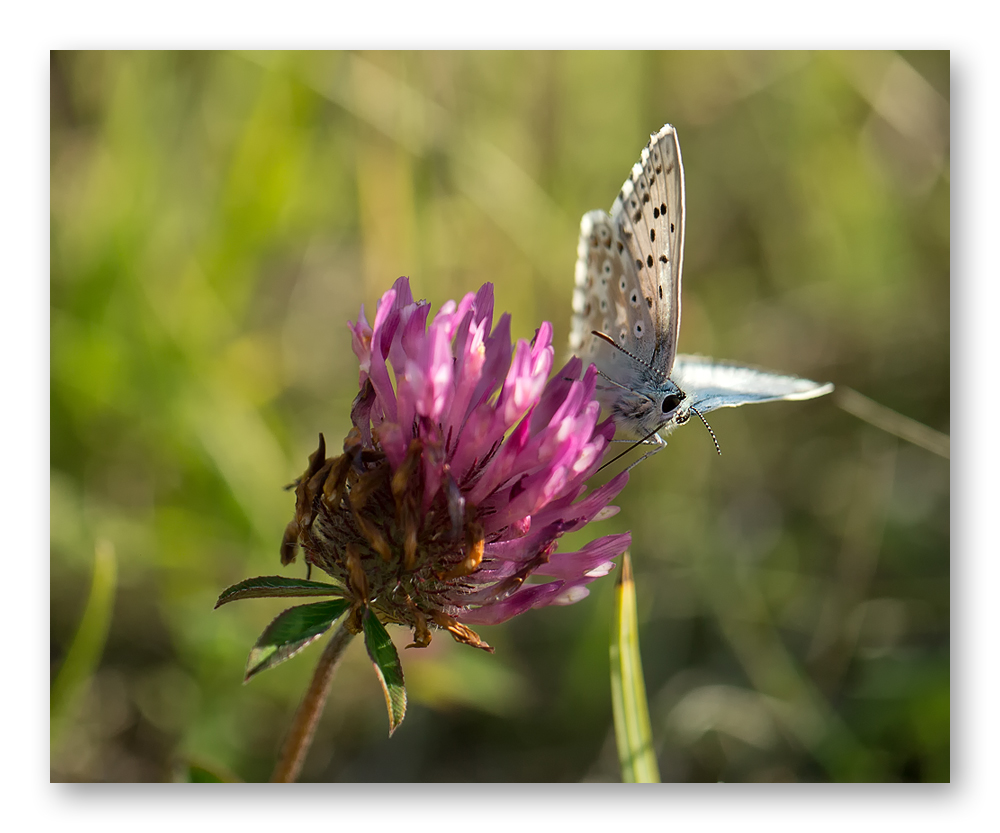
x: 628, y: 691
x: 85, y: 651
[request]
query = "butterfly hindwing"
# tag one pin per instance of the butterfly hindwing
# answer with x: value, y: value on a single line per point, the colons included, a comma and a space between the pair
x: 605, y: 297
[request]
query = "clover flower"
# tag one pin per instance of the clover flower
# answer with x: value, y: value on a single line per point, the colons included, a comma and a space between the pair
x: 464, y: 466
x: 457, y: 480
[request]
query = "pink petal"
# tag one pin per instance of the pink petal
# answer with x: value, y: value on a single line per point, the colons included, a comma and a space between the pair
x: 571, y: 565
x: 534, y: 595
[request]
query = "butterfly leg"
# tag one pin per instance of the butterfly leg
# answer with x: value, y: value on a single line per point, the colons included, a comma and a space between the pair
x: 657, y: 442
x: 654, y: 440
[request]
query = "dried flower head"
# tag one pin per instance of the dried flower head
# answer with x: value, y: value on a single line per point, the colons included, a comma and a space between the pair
x: 462, y: 470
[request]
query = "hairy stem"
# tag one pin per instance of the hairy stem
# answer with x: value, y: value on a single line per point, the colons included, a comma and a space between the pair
x: 300, y: 735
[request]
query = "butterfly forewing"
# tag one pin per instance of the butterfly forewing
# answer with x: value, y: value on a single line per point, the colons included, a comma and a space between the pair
x: 629, y: 267
x: 649, y: 212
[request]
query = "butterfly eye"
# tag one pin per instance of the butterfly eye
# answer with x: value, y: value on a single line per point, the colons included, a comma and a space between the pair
x: 670, y: 401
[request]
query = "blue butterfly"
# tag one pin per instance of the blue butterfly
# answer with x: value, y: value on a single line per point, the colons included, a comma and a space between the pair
x: 627, y: 310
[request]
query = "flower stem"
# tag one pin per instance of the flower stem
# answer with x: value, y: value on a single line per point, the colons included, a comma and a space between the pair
x: 300, y: 735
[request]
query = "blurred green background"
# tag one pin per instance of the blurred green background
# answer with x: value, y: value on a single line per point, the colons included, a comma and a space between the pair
x: 217, y: 218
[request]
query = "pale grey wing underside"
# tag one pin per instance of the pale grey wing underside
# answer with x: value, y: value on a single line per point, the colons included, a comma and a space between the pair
x: 605, y: 299
x: 710, y: 384
x: 649, y: 215
x: 628, y: 270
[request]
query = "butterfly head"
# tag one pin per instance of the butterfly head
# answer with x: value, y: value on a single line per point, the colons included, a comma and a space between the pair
x: 642, y: 400
x: 645, y: 407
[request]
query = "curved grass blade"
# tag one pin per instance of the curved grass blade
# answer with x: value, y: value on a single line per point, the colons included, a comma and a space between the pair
x: 628, y: 692
x: 85, y: 651
x: 290, y: 632
x: 387, y: 667
x: 893, y: 422
x: 266, y: 586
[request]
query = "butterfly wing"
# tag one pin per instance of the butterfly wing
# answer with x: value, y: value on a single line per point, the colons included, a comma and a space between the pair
x: 710, y: 384
x: 649, y: 212
x: 605, y: 284
x: 628, y: 270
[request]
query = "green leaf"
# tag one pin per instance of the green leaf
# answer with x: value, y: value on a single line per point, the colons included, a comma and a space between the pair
x: 85, y: 651
x: 628, y: 692
x: 290, y: 632
x: 387, y: 667
x: 266, y: 586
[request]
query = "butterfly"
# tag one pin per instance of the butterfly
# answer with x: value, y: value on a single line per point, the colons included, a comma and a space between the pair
x: 627, y: 310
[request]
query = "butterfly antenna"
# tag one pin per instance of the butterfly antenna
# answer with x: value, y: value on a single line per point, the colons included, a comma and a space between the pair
x: 617, y: 346
x: 607, y: 378
x: 710, y: 431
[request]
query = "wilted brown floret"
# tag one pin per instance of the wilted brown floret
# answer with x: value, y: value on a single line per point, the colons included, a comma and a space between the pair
x: 365, y: 528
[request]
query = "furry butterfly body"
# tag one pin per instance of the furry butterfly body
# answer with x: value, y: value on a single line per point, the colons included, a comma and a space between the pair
x: 627, y: 309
